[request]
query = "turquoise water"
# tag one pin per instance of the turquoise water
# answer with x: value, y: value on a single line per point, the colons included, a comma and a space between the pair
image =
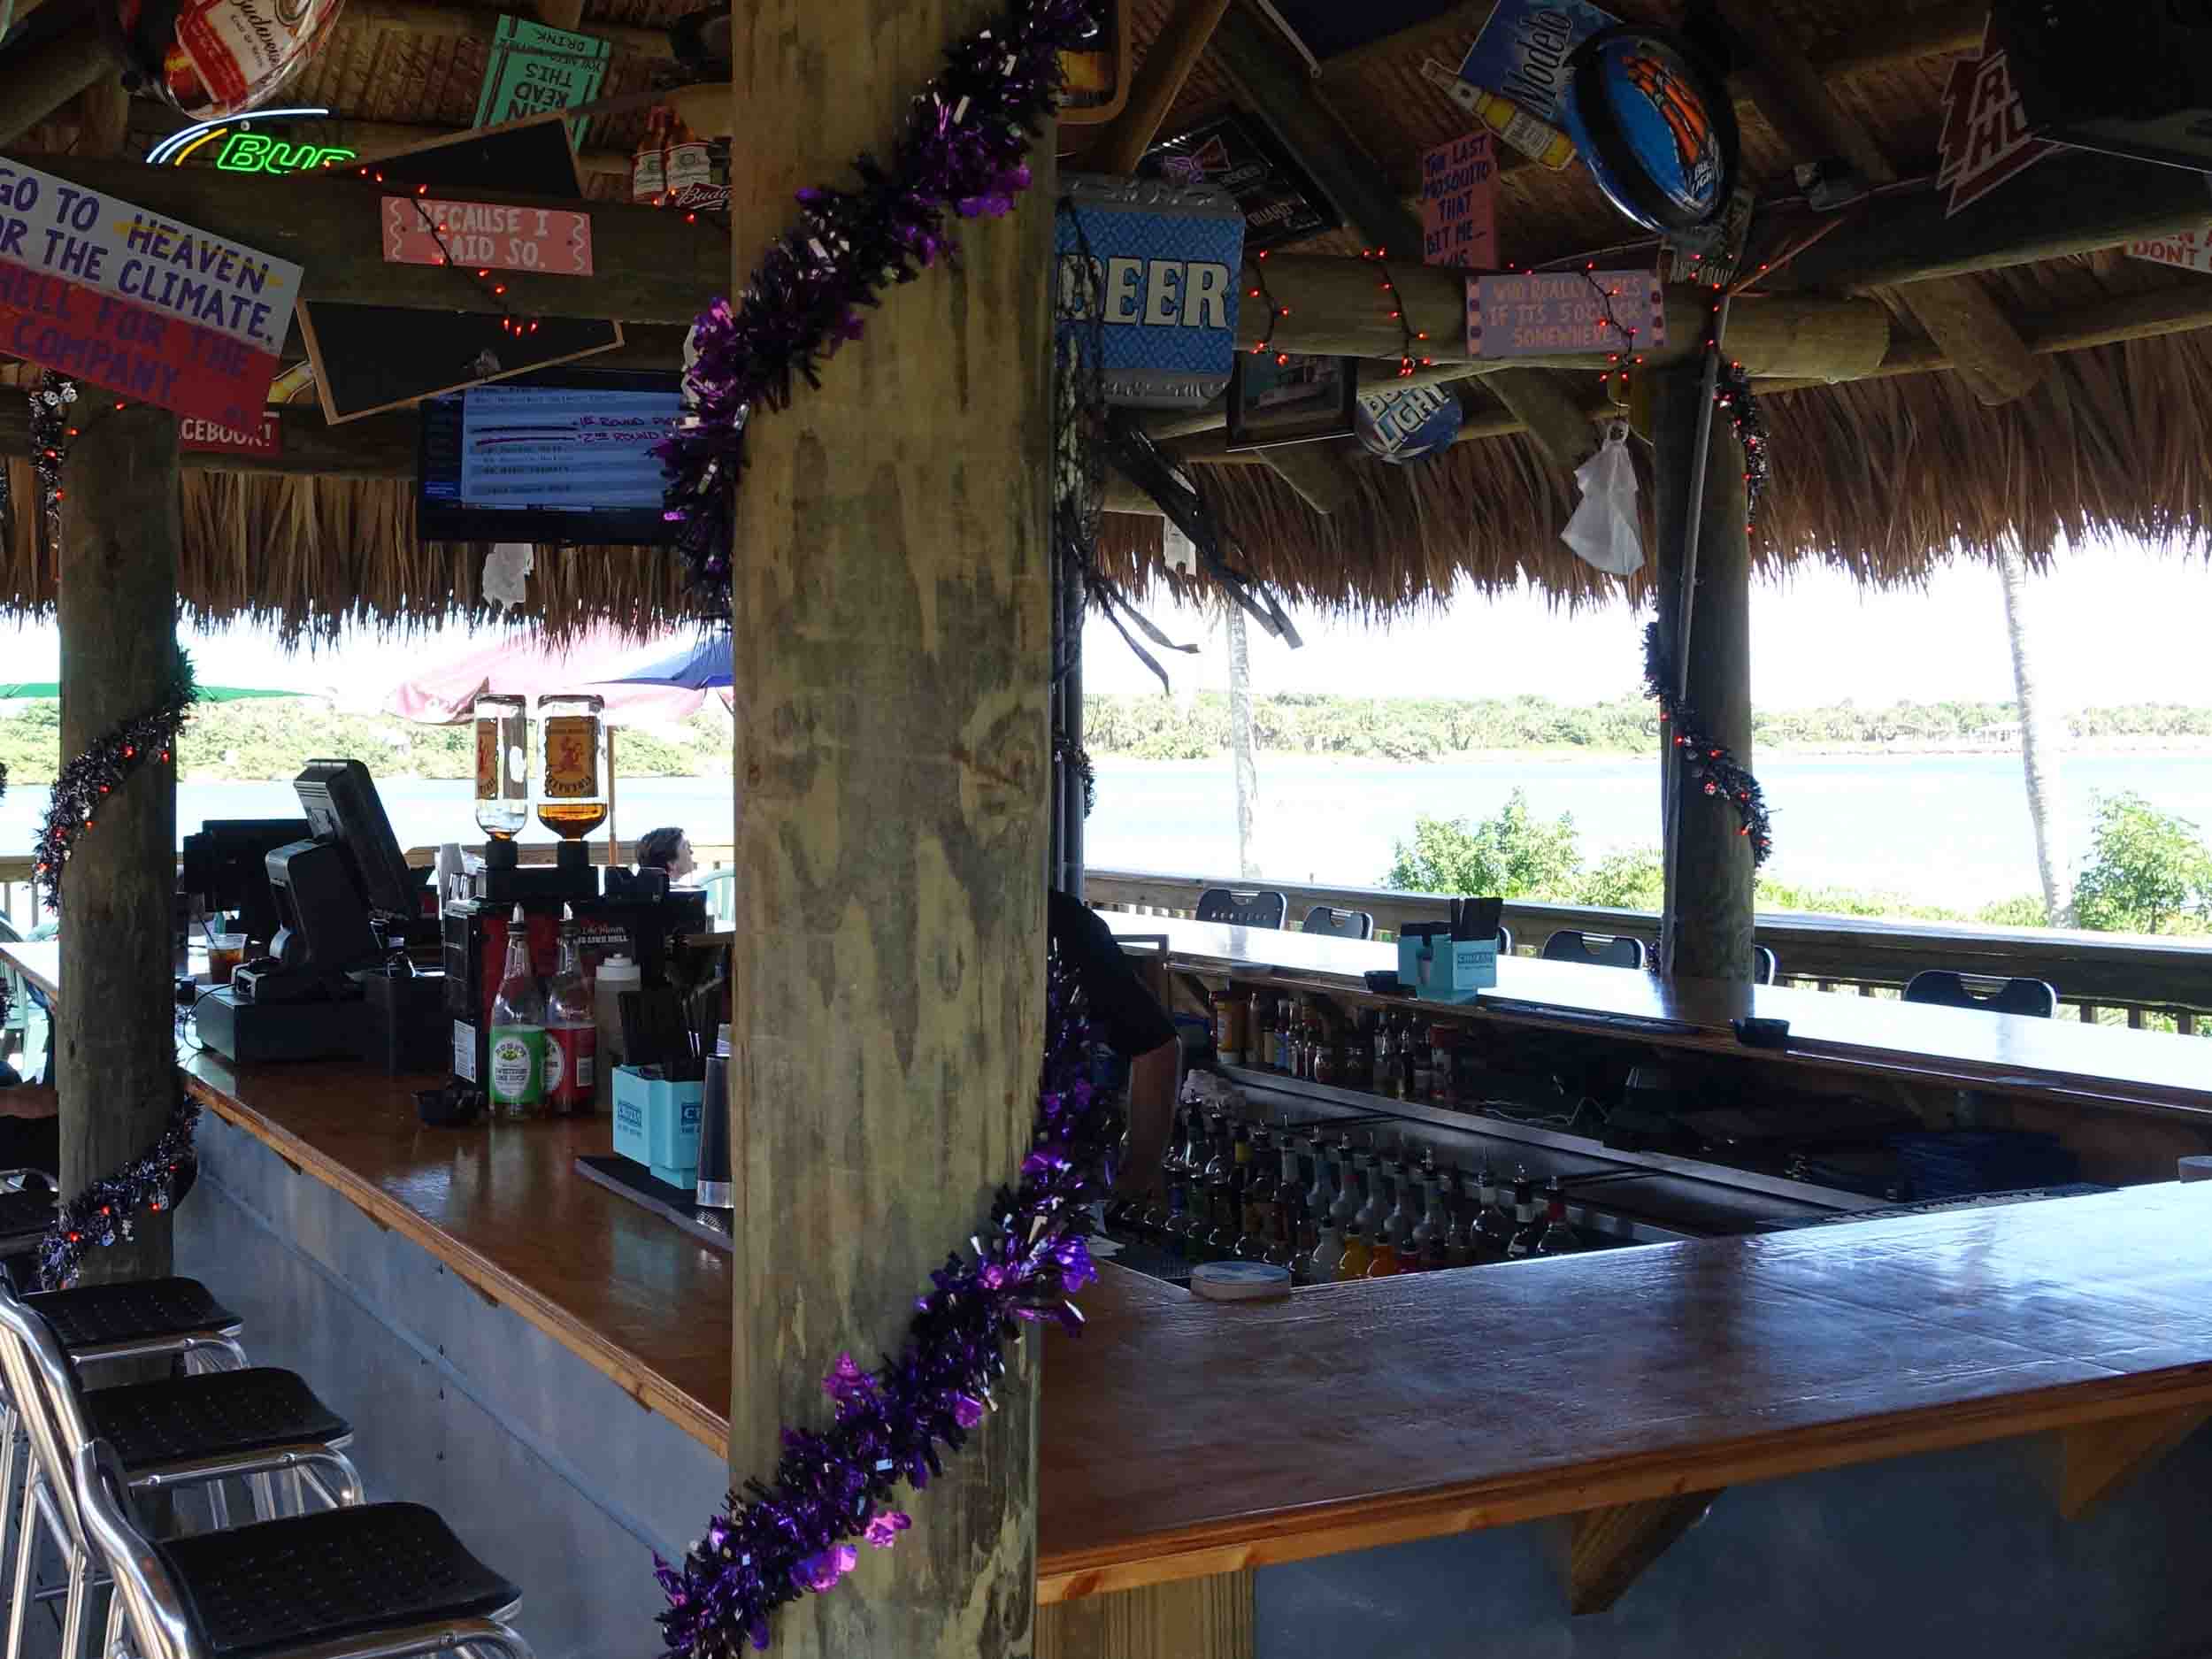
x: 1952, y: 828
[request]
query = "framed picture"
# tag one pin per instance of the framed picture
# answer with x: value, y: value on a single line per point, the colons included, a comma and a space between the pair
x: 1282, y: 397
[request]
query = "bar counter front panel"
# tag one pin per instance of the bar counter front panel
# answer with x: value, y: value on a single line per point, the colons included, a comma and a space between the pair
x: 1371, y: 1424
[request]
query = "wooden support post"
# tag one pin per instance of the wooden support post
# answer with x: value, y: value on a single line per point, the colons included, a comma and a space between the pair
x: 1607, y: 1549
x: 1193, y: 1618
x: 893, y: 610
x: 115, y: 1061
x: 1159, y: 82
x: 1710, y: 869
x: 1555, y: 408
x: 2097, y: 1459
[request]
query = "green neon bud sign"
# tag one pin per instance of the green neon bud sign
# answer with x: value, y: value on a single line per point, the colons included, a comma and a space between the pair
x: 258, y: 152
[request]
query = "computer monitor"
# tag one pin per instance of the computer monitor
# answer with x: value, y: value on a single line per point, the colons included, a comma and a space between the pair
x: 226, y: 866
x: 343, y: 807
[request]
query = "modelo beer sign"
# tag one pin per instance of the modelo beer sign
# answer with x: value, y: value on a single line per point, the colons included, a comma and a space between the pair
x: 216, y: 57
x: 1152, y: 267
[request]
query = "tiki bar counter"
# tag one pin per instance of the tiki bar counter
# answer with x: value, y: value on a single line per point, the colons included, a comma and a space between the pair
x: 978, y: 1252
x: 1748, y: 1417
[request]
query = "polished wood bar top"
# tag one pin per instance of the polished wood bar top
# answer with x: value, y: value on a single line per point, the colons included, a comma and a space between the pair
x: 502, y: 1206
x: 1186, y: 1438
x: 2058, y: 1058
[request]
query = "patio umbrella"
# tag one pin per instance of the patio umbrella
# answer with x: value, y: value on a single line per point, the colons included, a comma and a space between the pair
x: 702, y: 665
x: 36, y: 688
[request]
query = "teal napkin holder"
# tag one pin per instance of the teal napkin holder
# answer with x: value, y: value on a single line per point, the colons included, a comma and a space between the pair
x: 1453, y: 969
x: 656, y: 1123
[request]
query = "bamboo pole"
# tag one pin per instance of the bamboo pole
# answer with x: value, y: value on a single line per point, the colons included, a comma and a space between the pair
x: 115, y: 1047
x: 893, y: 610
x: 37, y: 79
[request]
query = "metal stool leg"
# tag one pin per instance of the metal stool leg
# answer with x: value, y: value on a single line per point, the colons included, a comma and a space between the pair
x: 218, y: 1509
x: 26, y: 1566
x: 73, y: 1619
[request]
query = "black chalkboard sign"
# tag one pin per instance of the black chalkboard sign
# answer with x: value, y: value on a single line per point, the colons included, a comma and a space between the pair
x: 374, y: 358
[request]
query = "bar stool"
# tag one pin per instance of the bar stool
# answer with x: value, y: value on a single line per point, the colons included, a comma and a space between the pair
x: 1335, y: 924
x: 1940, y: 988
x: 1764, y: 965
x: 378, y: 1581
x: 1250, y: 908
x: 187, y: 1430
x: 1616, y: 950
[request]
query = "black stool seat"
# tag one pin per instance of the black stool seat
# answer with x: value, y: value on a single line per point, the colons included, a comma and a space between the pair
x: 285, y: 1584
x: 211, y: 1416
x: 25, y: 1214
x: 137, y: 1311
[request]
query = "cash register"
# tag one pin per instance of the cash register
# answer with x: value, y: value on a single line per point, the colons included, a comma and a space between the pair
x: 335, y: 982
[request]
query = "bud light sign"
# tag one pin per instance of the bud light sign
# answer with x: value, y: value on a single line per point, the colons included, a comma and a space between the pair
x: 1148, y: 271
x: 1408, y: 425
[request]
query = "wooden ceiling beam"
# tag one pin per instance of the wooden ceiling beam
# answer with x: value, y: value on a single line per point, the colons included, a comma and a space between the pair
x: 449, y: 17
x: 651, y: 266
x: 39, y: 77
x: 1958, y: 314
x: 1120, y: 144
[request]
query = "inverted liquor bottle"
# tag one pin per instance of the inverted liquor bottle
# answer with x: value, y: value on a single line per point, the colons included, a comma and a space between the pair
x: 503, y: 765
x: 1260, y: 1197
x: 1528, y: 1222
x: 1493, y: 1223
x: 1560, y: 1238
x: 571, y: 773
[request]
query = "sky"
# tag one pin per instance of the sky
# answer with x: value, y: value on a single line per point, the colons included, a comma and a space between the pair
x: 2112, y: 625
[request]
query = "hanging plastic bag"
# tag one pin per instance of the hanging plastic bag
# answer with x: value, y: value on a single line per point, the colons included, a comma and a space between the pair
x: 506, y: 568
x: 1603, y: 530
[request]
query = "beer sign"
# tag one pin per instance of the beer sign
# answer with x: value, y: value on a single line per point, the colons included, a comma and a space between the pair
x: 1154, y: 269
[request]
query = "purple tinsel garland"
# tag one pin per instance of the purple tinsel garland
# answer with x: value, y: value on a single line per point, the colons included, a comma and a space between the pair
x: 1712, y: 767
x: 964, y: 152
x: 106, y: 1212
x: 778, y: 1542
x: 93, y: 776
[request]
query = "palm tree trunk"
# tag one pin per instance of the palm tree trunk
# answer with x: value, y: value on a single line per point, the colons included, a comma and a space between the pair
x: 2038, y: 745
x: 1241, y: 738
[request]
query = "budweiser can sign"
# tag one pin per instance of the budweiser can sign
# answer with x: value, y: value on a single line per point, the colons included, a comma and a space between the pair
x: 213, y: 58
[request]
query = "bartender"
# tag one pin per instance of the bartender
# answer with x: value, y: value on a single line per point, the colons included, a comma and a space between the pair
x: 1136, y: 1028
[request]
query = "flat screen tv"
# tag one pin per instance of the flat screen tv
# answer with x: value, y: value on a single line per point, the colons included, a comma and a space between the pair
x: 565, y: 457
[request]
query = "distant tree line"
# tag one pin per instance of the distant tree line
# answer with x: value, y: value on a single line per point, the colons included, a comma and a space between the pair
x: 1154, y: 727
x: 274, y: 737
x: 2146, y: 872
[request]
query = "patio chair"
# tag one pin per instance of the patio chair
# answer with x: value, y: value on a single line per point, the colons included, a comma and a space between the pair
x: 1251, y: 908
x: 1603, y: 950
x: 1337, y: 924
x: 1764, y: 965
x: 1940, y: 988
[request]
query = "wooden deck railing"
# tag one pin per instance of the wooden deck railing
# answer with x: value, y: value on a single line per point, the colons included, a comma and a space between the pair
x: 2102, y: 978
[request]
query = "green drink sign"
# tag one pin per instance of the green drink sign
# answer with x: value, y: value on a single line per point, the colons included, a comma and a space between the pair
x: 536, y: 70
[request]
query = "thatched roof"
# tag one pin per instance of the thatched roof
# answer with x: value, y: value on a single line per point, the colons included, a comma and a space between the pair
x: 1883, y: 476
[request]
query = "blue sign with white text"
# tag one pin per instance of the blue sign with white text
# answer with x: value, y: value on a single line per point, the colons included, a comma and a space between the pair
x: 1155, y: 267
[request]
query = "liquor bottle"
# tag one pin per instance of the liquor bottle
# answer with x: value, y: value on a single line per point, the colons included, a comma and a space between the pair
x: 1411, y: 1052
x: 1493, y: 1228
x: 1368, y: 1216
x: 1228, y: 1206
x: 517, y: 1039
x: 1259, y: 1198
x: 1297, y: 1067
x: 572, y: 770
x: 1194, y: 1147
x: 1345, y: 1205
x: 1560, y: 1238
x: 1384, y: 1261
x: 1435, y: 1230
x: 1386, y: 1062
x: 1353, y: 1263
x: 1229, y: 1026
x: 1322, y: 1194
x: 1459, y: 1244
x: 1433, y: 1222
x: 1528, y: 1222
x: 1404, y: 1216
x: 1359, y: 1052
x: 1421, y: 1065
x: 503, y: 765
x: 1442, y: 1039
x: 1260, y: 1031
x: 1282, y: 1243
x: 1327, y: 1068
x: 572, y: 1030
x: 1305, y: 1238
x: 1283, y: 1036
x: 1327, y: 1251
x: 1175, y: 1233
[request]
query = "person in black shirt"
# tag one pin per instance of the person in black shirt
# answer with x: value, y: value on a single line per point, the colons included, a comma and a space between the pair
x: 1135, y: 1026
